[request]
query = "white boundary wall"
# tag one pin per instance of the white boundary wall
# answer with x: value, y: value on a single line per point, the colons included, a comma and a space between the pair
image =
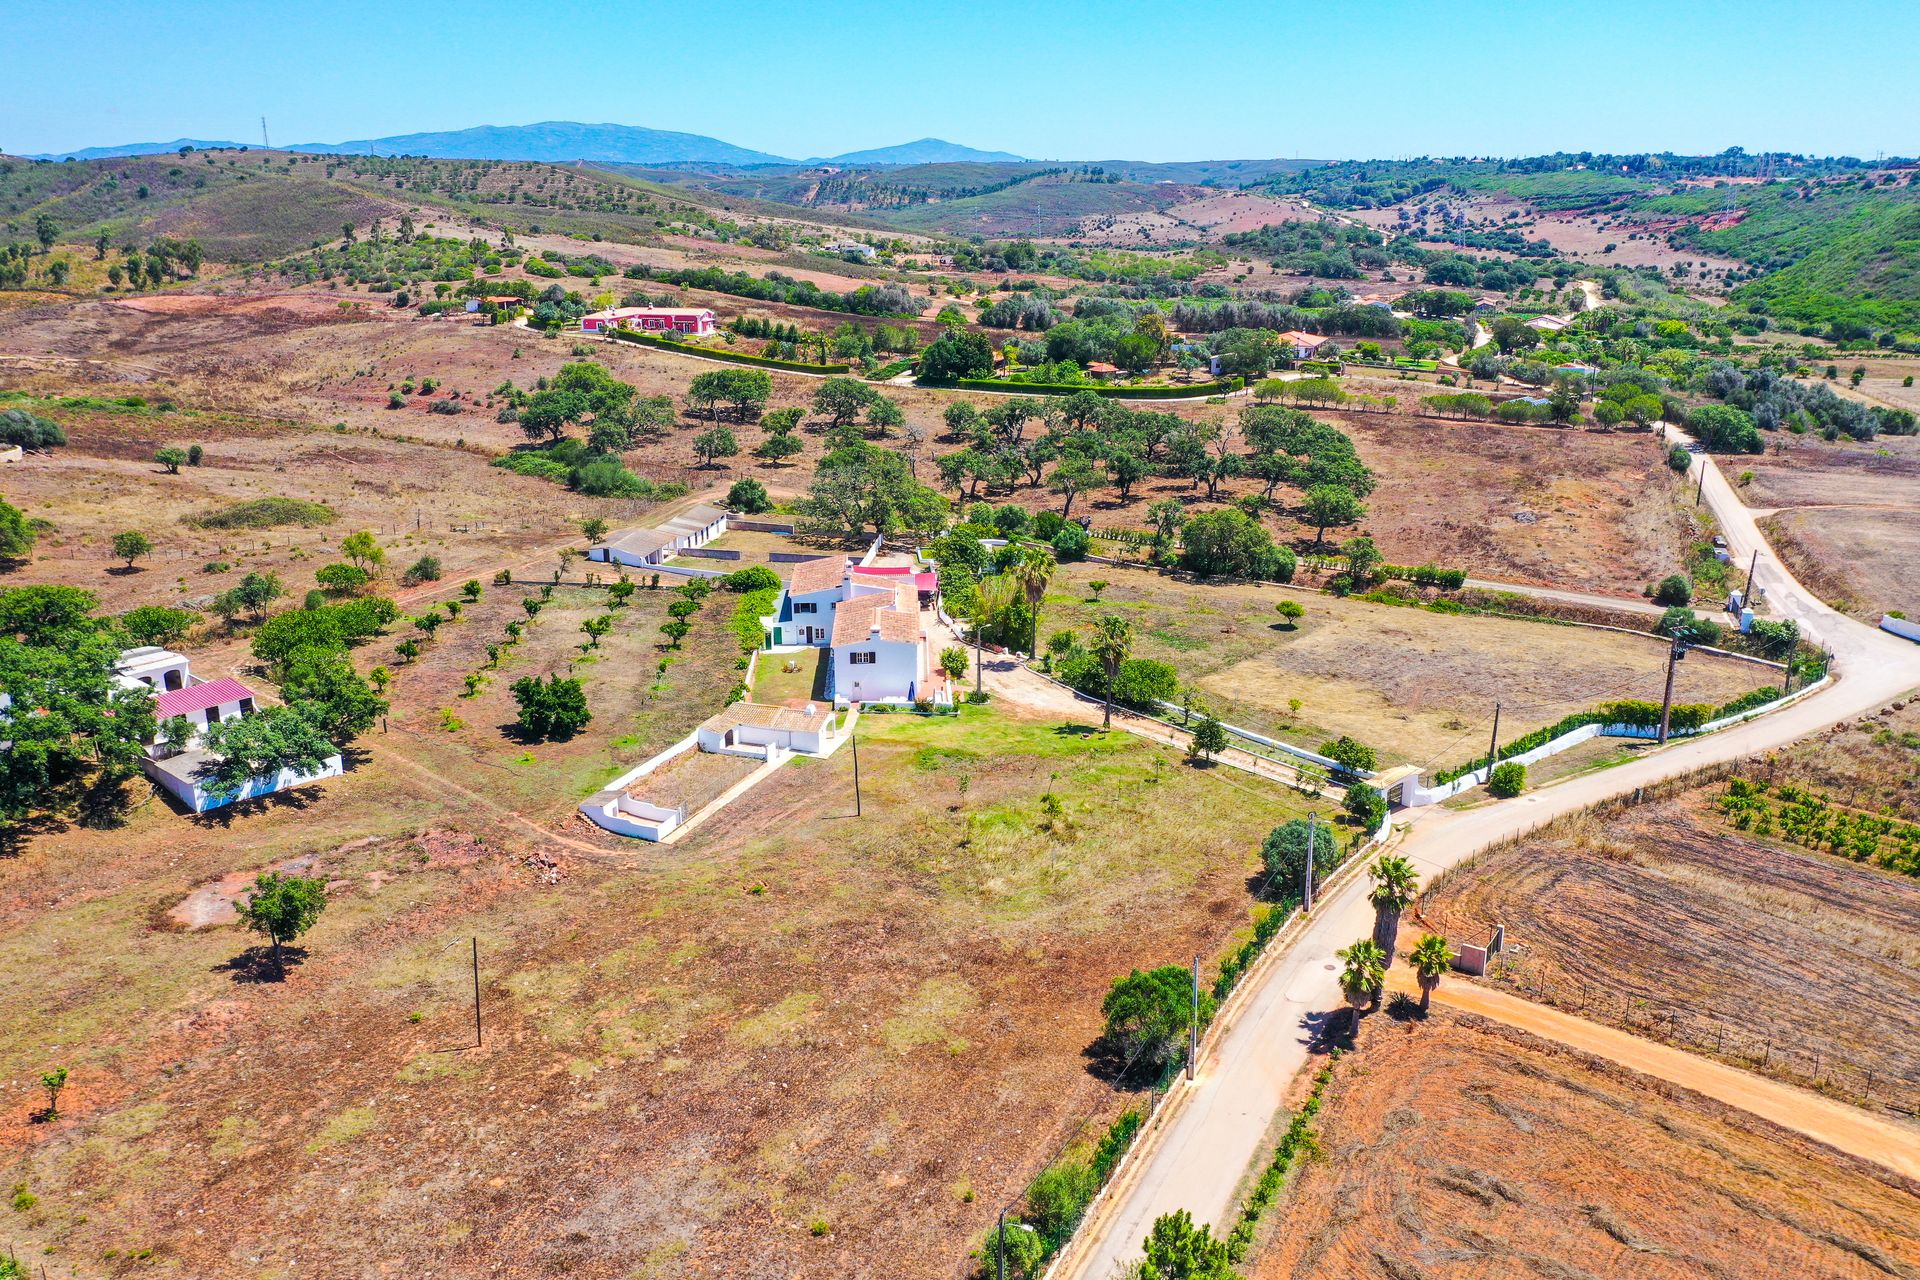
x: 1902, y: 627
x: 1415, y: 795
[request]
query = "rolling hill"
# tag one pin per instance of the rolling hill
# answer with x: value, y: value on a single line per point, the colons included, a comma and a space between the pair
x: 925, y: 151
x: 555, y: 142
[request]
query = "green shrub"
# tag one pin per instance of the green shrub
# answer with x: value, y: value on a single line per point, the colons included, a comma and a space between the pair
x: 265, y: 513
x: 1349, y: 755
x: 1198, y: 389
x: 755, y: 577
x: 1070, y: 544
x: 749, y: 496
x: 1507, y: 780
x: 425, y: 569
x: 1674, y: 589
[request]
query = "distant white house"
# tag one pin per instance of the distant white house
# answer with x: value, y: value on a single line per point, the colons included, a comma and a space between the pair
x: 870, y: 618
x: 177, y: 764
x: 1546, y: 324
x: 635, y: 547
x: 847, y: 248
x: 1299, y: 344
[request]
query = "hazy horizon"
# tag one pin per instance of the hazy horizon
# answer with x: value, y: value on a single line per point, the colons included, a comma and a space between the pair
x: 1072, y: 80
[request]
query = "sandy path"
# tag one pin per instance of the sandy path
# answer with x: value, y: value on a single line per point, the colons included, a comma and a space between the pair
x: 1883, y: 1140
x: 1210, y: 1131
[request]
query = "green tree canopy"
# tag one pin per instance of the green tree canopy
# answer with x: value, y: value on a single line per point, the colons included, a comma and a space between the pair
x: 1148, y: 1014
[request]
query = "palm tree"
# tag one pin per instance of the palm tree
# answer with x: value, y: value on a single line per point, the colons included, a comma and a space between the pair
x: 1112, y: 645
x: 1431, y: 957
x: 1395, y: 885
x: 992, y: 598
x: 1365, y: 974
x: 1033, y: 571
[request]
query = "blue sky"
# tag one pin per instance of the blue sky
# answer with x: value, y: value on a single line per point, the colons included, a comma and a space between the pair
x: 1047, y: 80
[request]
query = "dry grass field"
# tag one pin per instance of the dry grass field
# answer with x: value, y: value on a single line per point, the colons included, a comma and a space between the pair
x: 1587, y: 510
x: 1845, y: 516
x: 419, y: 497
x: 1417, y: 686
x: 1668, y: 918
x: 693, y: 1054
x: 1461, y: 1149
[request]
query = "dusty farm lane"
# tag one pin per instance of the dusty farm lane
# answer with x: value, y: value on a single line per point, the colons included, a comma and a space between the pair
x: 1591, y: 599
x: 1847, y: 1128
x: 1211, y: 1131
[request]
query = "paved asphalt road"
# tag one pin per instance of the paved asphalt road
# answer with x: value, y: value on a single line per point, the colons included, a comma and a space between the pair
x: 1212, y: 1131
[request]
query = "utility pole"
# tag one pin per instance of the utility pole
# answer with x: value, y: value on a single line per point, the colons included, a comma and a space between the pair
x: 1700, y: 488
x: 1001, y: 1240
x: 1493, y: 743
x: 1306, y: 886
x: 1675, y: 652
x: 1193, y: 1025
x: 856, y: 774
x: 1793, y: 648
x: 1746, y: 596
x: 476, y: 993
x: 978, y: 672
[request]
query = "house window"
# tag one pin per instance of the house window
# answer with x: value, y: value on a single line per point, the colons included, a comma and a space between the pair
x: 807, y: 606
x: 860, y: 658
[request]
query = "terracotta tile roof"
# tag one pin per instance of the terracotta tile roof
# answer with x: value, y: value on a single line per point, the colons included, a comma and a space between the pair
x: 199, y: 697
x: 1301, y: 338
x: 899, y: 627
x: 853, y: 620
x: 816, y: 575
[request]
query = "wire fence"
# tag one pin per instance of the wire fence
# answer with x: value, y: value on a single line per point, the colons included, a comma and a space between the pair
x: 1729, y: 1036
x: 1739, y: 1037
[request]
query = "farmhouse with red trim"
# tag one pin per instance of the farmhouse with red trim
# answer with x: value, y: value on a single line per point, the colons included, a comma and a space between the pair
x: 679, y: 321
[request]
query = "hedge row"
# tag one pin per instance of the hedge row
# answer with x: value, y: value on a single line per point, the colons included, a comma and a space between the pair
x: 1425, y: 575
x: 1685, y: 717
x: 1297, y: 1142
x: 1119, y: 393
x: 721, y: 353
x: 892, y: 370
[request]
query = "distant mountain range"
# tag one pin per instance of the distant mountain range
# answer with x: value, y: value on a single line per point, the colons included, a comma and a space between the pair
x: 925, y: 151
x: 564, y: 141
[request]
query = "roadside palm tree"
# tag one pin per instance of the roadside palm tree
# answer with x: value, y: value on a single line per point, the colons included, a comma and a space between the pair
x: 1395, y: 885
x: 1112, y: 645
x: 1431, y: 957
x: 1363, y: 977
x: 1033, y: 571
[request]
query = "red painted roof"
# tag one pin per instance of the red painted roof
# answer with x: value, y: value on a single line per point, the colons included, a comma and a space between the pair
x: 923, y: 579
x: 199, y: 697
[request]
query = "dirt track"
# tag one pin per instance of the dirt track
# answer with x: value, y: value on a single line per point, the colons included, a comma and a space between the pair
x: 1886, y: 1142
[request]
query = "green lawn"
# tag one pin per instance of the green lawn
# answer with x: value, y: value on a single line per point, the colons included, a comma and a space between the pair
x: 774, y: 685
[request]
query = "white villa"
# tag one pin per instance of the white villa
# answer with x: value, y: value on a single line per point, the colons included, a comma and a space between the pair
x: 871, y: 620
x: 637, y: 547
x: 179, y: 694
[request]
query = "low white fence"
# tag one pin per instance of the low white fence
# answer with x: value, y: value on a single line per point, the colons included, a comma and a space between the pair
x: 1414, y: 795
x: 1901, y: 627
